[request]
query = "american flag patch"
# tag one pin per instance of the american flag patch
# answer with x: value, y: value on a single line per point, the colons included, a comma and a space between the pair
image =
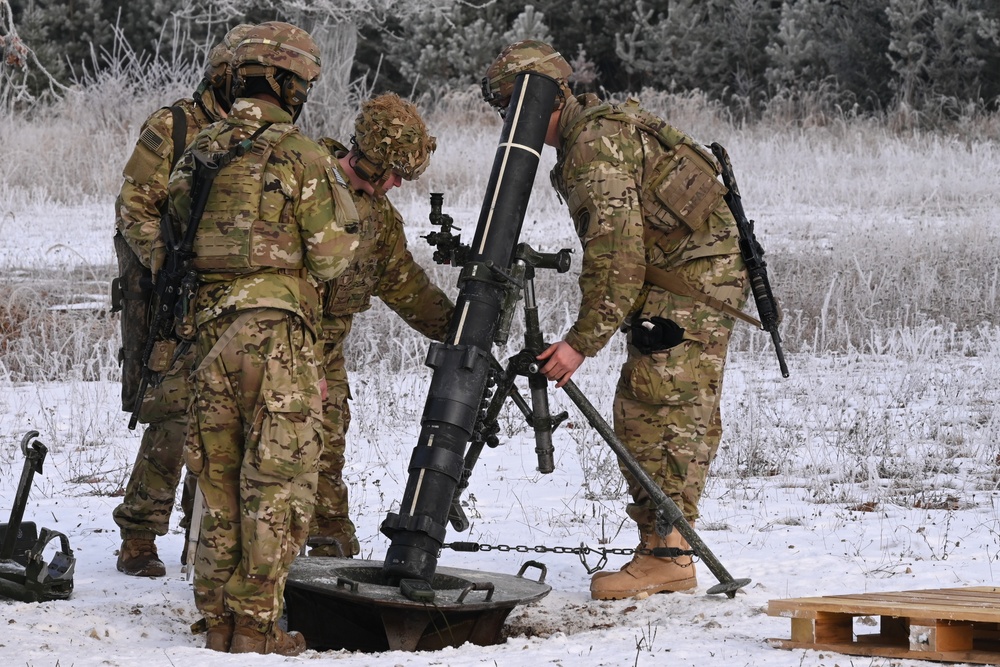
x: 150, y: 140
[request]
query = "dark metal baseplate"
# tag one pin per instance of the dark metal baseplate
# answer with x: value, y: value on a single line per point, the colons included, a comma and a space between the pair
x: 342, y: 603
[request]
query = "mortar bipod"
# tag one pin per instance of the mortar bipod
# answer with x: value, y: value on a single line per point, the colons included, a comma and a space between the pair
x: 537, y: 414
x: 24, y: 574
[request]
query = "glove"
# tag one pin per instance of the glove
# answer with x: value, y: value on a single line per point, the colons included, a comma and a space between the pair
x: 656, y: 334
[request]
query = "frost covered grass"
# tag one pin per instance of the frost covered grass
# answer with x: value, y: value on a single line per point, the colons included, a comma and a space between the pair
x: 881, y: 249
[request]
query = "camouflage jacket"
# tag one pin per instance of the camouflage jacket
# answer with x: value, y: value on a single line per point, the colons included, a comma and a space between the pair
x: 302, y: 186
x: 384, y: 267
x: 602, y: 166
x: 143, y: 195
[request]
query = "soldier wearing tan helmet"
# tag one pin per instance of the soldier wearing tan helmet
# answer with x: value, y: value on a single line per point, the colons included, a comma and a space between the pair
x: 390, y: 144
x: 279, y: 222
x: 641, y: 194
x: 144, y: 512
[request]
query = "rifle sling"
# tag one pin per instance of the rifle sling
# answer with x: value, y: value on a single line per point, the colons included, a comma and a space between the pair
x: 672, y: 282
x: 225, y: 339
x: 178, y: 134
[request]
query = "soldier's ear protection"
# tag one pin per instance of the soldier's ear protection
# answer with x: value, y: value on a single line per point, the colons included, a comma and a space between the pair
x: 289, y: 87
x: 294, y: 89
x: 500, y: 103
x: 363, y: 167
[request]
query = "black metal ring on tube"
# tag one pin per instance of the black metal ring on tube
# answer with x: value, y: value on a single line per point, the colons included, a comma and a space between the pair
x: 461, y: 365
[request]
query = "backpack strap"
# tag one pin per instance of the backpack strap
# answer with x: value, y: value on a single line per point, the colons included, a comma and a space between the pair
x: 178, y: 135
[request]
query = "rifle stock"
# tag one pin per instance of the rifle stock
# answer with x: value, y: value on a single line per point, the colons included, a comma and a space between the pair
x: 753, y: 258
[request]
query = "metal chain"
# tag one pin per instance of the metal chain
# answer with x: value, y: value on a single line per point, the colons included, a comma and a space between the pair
x: 582, y: 551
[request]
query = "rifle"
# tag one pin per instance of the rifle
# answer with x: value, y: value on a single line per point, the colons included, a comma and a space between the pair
x: 177, y: 278
x: 753, y: 258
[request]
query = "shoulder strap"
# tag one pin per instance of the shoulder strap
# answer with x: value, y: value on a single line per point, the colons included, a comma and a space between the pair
x: 178, y: 135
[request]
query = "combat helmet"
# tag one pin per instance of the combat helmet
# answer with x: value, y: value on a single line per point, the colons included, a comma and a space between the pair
x: 282, y: 54
x: 529, y: 55
x: 219, y: 70
x: 389, y: 134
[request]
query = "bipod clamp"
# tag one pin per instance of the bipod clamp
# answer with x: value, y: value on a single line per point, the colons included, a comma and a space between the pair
x: 24, y: 574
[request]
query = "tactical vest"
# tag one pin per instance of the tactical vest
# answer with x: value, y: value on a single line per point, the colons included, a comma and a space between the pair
x: 351, y: 292
x: 247, y: 224
x: 682, y: 187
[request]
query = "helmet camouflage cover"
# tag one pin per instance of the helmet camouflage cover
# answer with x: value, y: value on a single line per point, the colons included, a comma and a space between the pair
x: 529, y: 55
x: 279, y: 45
x: 218, y: 70
x: 390, y: 133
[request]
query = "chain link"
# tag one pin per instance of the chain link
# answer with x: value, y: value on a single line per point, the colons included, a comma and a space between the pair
x: 582, y: 551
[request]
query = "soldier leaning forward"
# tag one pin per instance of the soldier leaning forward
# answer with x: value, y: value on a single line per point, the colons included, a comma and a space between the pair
x: 643, y: 196
x: 144, y: 512
x: 390, y: 144
x: 278, y: 221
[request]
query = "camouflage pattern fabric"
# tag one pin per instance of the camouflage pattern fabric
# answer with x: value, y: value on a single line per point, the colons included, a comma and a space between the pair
x: 152, y: 487
x: 305, y: 198
x: 391, y: 134
x: 384, y: 267
x: 258, y: 420
x: 144, y: 191
x: 666, y: 407
x: 279, y: 45
x: 257, y: 409
x: 151, y: 490
x: 524, y: 56
x: 332, y: 516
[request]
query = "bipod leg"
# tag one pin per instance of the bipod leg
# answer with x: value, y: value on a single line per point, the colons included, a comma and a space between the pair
x: 33, y: 458
x: 505, y: 387
x: 666, y: 508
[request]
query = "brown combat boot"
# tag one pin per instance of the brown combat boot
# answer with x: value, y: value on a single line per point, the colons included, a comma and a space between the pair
x: 137, y: 556
x: 646, y: 573
x: 219, y: 635
x: 249, y: 637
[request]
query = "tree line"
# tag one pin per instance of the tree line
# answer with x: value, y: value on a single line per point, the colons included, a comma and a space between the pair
x: 940, y: 58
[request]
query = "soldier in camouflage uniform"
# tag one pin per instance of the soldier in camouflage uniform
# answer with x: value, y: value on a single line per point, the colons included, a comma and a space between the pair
x: 279, y: 220
x: 661, y: 259
x: 391, y: 143
x: 144, y: 512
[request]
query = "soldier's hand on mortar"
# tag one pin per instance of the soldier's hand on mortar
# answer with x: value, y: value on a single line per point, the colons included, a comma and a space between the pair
x: 563, y: 361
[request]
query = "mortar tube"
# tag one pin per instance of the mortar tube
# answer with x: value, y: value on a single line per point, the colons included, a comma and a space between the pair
x: 462, y: 363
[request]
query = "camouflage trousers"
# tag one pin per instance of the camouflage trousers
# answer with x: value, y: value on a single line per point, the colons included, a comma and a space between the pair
x: 257, y: 412
x: 332, y: 522
x: 666, y: 410
x: 152, y: 487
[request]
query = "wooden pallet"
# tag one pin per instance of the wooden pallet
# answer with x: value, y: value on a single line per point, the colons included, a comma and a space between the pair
x: 946, y: 625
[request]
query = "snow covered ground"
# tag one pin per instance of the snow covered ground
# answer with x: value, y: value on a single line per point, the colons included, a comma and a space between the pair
x: 787, y: 507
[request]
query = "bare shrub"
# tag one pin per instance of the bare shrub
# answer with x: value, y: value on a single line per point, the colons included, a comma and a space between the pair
x: 57, y: 330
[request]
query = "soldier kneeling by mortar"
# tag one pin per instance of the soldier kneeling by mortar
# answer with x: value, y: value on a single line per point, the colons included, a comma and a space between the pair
x: 390, y: 144
x: 643, y: 194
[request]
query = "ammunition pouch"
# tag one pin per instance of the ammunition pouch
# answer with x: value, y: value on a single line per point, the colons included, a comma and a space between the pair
x: 656, y: 334
x: 682, y: 188
x: 162, y: 356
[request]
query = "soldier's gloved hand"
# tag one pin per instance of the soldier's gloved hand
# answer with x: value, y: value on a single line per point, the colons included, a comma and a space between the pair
x: 656, y: 334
